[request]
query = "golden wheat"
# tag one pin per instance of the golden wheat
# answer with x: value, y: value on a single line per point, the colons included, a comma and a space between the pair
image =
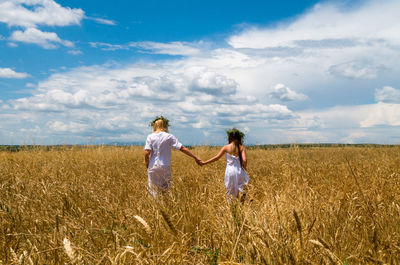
x: 338, y: 205
x: 144, y: 223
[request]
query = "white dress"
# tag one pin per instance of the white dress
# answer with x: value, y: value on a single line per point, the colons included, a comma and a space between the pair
x: 236, y: 177
x: 159, y: 170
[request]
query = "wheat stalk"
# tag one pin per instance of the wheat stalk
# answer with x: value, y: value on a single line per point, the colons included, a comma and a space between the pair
x: 298, y: 225
x: 331, y: 255
x: 68, y: 249
x: 144, y: 223
x: 168, y: 221
x: 14, y: 257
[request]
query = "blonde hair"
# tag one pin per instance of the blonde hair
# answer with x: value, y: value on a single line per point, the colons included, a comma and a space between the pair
x: 160, y: 125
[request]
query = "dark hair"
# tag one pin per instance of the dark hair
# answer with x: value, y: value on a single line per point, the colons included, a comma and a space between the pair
x: 236, y: 136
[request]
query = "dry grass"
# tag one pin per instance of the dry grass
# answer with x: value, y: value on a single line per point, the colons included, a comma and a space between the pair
x: 304, y: 206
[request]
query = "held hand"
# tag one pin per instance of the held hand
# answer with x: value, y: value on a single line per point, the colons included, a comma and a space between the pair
x: 199, y: 162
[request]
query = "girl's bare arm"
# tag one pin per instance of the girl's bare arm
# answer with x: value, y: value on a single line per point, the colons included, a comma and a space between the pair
x: 147, y: 157
x: 244, y: 157
x: 218, y: 156
x: 187, y: 152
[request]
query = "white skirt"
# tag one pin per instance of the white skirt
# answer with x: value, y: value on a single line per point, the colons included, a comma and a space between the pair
x: 236, y: 179
x: 159, y: 178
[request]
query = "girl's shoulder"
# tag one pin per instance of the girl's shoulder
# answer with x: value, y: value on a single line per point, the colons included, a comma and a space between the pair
x: 227, y: 147
x: 151, y: 135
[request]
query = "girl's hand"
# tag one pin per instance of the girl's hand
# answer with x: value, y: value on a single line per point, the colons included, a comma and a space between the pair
x: 200, y: 162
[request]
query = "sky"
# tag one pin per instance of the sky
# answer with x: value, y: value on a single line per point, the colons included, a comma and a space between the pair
x: 94, y: 72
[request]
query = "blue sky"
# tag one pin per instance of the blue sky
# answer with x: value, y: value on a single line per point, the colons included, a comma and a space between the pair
x: 283, y: 71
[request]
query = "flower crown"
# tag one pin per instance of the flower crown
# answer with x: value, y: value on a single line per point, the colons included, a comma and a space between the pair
x: 166, y: 121
x: 234, y: 131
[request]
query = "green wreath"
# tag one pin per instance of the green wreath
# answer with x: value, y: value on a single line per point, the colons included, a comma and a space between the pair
x: 166, y: 121
x: 234, y: 131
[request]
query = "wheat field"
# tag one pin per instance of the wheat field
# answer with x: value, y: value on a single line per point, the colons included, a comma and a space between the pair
x: 90, y: 205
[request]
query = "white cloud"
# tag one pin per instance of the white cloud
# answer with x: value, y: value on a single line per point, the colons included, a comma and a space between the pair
x: 388, y: 94
x: 353, y: 117
x: 103, y: 21
x: 12, y: 44
x: 171, y: 48
x: 75, y: 52
x: 47, y: 40
x: 59, y: 126
x: 354, y: 70
x: 382, y: 114
x: 35, y: 129
x: 328, y: 25
x: 333, y: 57
x: 30, y: 85
x: 212, y: 83
x: 33, y: 13
x: 108, y: 47
x: 9, y: 73
x: 284, y: 93
x: 114, y: 99
x: 354, y: 137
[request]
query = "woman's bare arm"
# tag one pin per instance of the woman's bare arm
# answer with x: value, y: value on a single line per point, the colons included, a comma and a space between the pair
x: 218, y: 156
x: 147, y: 157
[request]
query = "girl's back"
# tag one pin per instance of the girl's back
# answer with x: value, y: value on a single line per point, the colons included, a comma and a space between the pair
x: 160, y: 144
x: 236, y: 177
x: 233, y: 150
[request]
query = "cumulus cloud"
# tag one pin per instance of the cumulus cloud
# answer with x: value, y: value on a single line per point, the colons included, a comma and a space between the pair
x: 116, y: 99
x: 36, y: 13
x: 284, y: 93
x: 328, y: 53
x: 388, y: 94
x: 9, y: 73
x: 382, y: 114
x: 59, y: 126
x: 351, y: 117
x: 33, y: 13
x: 47, y: 40
x: 213, y: 83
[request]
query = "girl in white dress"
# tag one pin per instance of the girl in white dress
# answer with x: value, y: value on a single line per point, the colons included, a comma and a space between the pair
x: 157, y: 153
x: 236, y: 177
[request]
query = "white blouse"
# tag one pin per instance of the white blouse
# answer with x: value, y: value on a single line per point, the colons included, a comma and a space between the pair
x: 160, y: 145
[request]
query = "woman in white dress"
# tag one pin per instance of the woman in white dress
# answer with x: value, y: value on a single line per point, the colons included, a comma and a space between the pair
x: 236, y: 177
x: 157, y: 153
